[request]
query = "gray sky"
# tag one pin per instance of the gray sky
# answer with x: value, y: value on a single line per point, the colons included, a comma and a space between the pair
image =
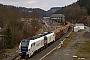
x: 43, y: 4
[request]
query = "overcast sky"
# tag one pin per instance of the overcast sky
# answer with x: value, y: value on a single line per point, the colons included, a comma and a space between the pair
x: 43, y: 4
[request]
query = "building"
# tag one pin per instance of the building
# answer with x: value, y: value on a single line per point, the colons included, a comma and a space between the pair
x: 58, y: 17
x: 78, y: 27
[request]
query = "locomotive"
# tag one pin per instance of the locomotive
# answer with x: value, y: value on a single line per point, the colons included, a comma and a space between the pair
x: 29, y: 46
x: 36, y: 43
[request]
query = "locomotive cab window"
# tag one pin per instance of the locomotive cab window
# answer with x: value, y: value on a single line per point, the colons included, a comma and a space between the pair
x: 24, y: 43
x: 33, y: 44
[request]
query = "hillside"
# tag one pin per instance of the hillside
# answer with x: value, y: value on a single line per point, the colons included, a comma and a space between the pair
x: 13, y: 29
x: 75, y: 13
x: 40, y: 12
x: 53, y: 10
x: 16, y: 23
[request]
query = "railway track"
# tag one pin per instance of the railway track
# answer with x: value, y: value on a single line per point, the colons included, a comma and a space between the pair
x: 40, y: 53
x: 33, y: 58
x: 19, y: 58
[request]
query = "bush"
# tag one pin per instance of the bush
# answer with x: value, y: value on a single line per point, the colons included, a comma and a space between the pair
x: 9, y: 38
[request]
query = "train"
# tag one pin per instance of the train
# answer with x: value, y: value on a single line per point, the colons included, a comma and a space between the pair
x: 62, y: 30
x: 28, y: 47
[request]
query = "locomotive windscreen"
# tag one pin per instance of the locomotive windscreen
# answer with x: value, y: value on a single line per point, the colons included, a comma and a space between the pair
x: 25, y: 43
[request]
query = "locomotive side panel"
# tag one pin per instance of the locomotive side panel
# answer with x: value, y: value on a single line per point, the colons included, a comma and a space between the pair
x: 50, y: 38
x: 39, y: 43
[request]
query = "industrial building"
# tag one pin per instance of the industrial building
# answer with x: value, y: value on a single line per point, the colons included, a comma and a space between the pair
x: 57, y: 17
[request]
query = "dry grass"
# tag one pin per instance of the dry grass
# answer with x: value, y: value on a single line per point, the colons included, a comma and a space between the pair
x: 68, y: 40
x: 72, y: 34
x: 9, y: 52
x: 84, y: 50
x: 84, y: 36
x: 85, y: 47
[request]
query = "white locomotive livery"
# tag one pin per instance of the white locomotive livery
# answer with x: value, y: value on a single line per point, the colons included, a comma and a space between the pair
x: 29, y: 46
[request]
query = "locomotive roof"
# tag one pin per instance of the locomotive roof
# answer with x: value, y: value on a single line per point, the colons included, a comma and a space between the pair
x: 45, y: 33
x: 39, y: 35
x: 24, y: 40
x: 35, y: 37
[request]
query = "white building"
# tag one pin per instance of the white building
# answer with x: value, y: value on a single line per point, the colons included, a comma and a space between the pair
x: 75, y: 29
x: 78, y: 27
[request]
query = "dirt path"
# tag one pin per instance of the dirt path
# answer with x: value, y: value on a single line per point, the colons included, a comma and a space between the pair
x: 70, y: 49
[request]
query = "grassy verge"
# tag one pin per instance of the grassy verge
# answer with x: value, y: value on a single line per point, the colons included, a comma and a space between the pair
x: 68, y: 40
x: 9, y: 52
x: 84, y: 50
x: 85, y: 46
x: 84, y: 36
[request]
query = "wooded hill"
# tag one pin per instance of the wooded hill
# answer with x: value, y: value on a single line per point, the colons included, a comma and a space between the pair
x: 13, y: 28
x: 77, y: 12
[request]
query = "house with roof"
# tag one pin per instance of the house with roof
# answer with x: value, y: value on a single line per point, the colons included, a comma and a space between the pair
x: 57, y: 17
x: 78, y: 27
